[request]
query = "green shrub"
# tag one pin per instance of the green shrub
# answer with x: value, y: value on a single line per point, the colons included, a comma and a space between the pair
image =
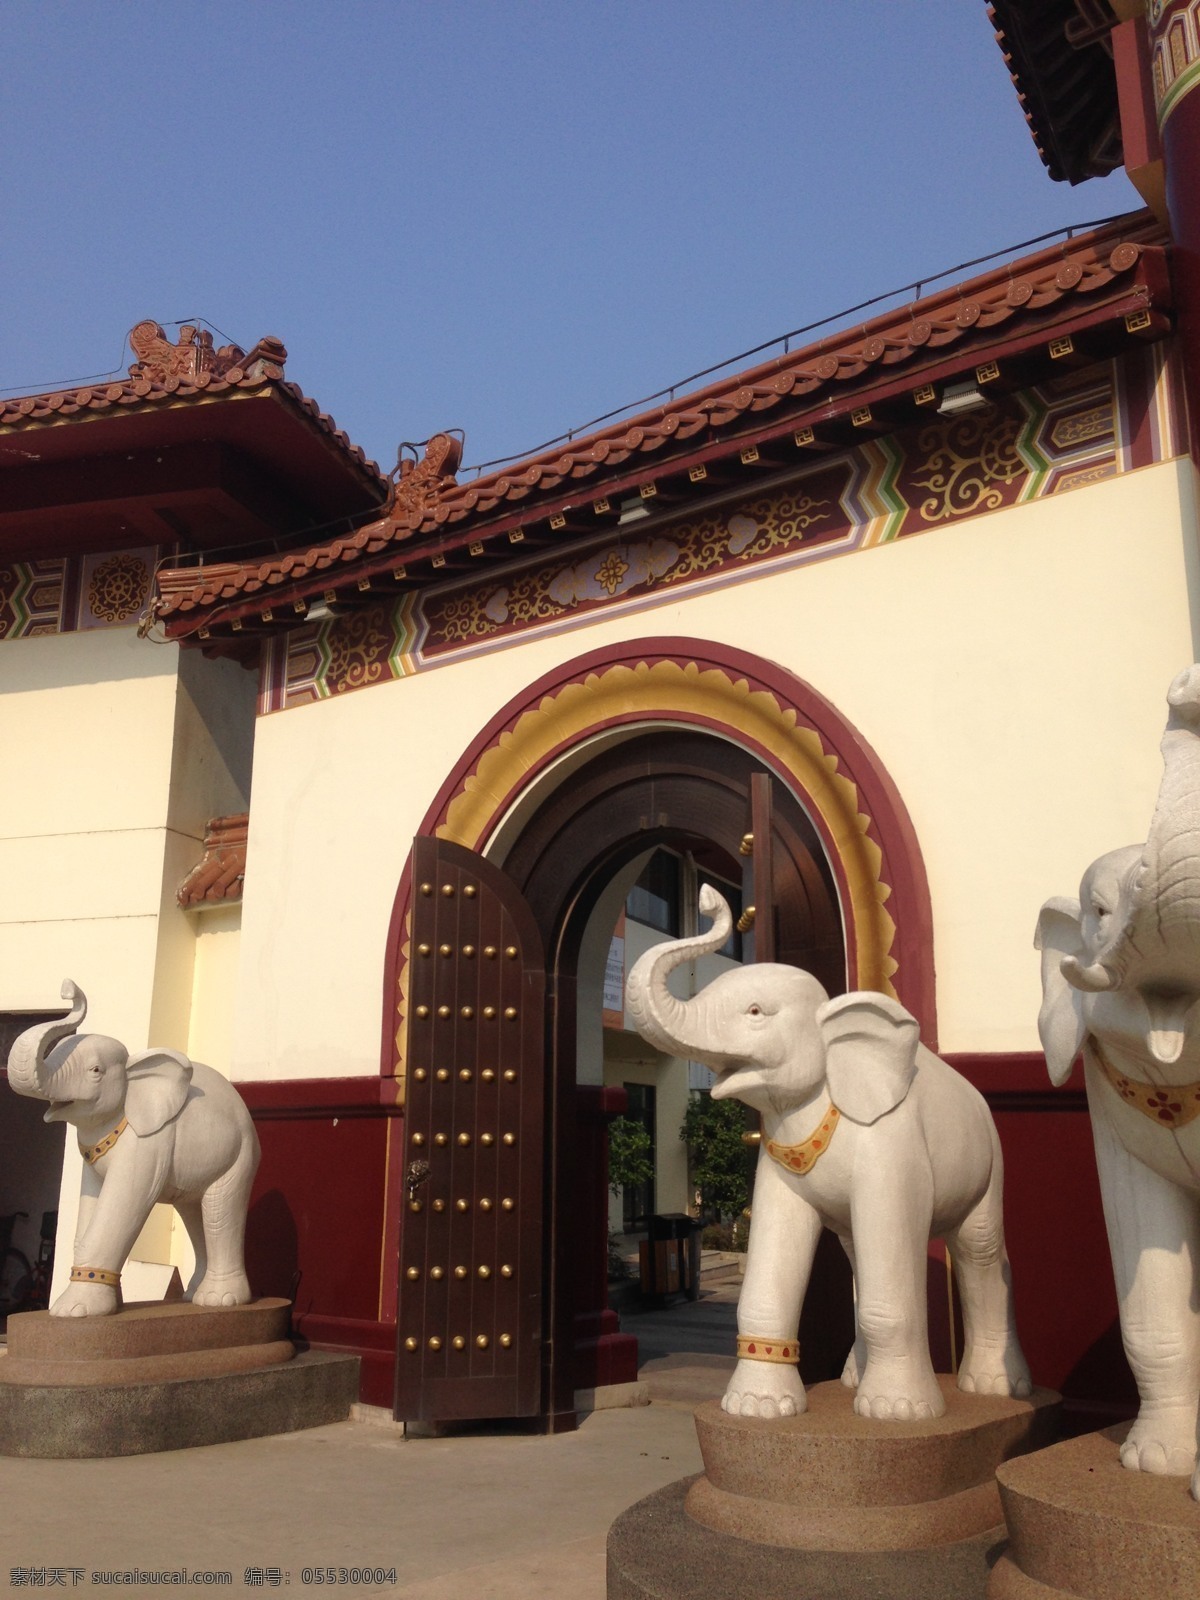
x: 720, y: 1161
x: 629, y: 1160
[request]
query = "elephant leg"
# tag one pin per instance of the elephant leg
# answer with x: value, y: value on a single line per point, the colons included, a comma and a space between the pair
x: 890, y: 1213
x: 992, y: 1361
x: 783, y: 1242
x: 191, y: 1214
x: 1154, y: 1236
x: 223, y: 1208
x: 113, y: 1211
x: 856, y: 1361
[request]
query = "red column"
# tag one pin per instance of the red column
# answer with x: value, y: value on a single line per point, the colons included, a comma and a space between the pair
x: 1174, y: 39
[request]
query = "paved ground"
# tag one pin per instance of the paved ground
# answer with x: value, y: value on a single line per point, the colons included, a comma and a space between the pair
x: 484, y: 1516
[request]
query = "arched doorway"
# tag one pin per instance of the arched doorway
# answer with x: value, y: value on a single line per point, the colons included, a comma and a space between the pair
x: 502, y: 1283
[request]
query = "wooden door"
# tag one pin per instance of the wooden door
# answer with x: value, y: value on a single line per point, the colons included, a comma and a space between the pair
x: 757, y: 922
x: 470, y: 1322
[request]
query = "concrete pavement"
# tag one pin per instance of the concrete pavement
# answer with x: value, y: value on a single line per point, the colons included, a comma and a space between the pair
x: 489, y: 1514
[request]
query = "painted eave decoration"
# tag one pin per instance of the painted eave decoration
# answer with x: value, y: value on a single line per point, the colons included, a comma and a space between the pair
x: 1060, y: 57
x: 1077, y: 302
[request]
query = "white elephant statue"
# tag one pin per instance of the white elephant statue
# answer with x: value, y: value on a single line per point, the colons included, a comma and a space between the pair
x: 867, y: 1133
x: 151, y: 1127
x: 1121, y: 979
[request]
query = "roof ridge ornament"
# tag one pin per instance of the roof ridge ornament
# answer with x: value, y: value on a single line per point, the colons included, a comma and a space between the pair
x: 159, y: 360
x: 419, y: 482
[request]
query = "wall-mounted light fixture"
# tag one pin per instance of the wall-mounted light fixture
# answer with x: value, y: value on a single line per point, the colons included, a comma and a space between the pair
x: 958, y: 399
x: 632, y: 510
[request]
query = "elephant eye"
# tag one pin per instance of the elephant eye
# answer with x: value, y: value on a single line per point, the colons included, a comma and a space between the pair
x: 755, y: 1011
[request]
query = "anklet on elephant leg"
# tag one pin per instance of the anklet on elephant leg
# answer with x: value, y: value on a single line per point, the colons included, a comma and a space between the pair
x: 752, y: 1348
x: 96, y: 1275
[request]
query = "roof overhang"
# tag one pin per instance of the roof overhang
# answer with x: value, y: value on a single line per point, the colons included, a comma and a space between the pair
x: 201, y: 468
x: 1080, y: 301
x: 1060, y: 57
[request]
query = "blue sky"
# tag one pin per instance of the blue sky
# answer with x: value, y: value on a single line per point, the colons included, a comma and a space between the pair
x: 506, y: 216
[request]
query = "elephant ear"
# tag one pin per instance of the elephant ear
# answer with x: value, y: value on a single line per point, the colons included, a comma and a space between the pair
x: 1060, y: 1021
x: 157, y: 1088
x: 870, y: 1053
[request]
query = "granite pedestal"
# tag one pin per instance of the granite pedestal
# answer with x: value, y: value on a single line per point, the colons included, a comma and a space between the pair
x: 162, y: 1377
x: 656, y: 1552
x: 830, y: 1503
x: 1080, y: 1525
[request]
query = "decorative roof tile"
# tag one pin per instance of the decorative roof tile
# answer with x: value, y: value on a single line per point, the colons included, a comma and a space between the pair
x: 217, y: 878
x: 960, y: 324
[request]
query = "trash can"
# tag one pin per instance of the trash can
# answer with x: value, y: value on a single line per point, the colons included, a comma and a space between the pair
x: 670, y: 1258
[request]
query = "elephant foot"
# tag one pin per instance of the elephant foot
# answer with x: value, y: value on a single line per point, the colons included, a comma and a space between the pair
x: 1000, y: 1369
x: 856, y: 1363
x: 233, y: 1289
x: 898, y: 1393
x: 764, y: 1389
x: 1162, y: 1442
x: 86, y: 1300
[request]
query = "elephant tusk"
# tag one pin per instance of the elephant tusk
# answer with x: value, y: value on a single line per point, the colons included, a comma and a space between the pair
x: 1094, y: 979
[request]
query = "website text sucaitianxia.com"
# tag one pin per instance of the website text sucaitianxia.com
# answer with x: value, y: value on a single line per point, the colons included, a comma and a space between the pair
x: 250, y: 1577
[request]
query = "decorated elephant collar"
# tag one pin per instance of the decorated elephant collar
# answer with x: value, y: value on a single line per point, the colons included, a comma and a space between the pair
x: 804, y: 1156
x: 1173, y: 1106
x: 91, y: 1153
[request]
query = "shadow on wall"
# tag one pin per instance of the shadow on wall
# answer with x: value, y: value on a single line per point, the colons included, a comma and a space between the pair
x: 272, y: 1247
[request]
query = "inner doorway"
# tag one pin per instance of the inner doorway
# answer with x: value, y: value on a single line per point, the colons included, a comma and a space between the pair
x: 560, y: 852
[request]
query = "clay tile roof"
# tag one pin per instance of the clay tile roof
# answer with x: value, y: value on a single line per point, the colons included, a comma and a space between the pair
x: 169, y: 374
x: 1101, y: 271
x: 217, y: 878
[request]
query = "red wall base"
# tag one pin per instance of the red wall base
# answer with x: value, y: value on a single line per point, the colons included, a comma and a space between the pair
x: 318, y: 1233
x: 374, y: 1343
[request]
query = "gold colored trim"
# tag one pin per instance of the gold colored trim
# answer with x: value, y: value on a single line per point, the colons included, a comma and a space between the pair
x: 752, y: 1348
x: 91, y: 1153
x: 804, y: 1156
x: 96, y: 1275
x: 1165, y: 1105
x: 710, y: 693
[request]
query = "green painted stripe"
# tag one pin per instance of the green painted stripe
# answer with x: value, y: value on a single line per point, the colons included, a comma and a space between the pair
x: 1183, y: 84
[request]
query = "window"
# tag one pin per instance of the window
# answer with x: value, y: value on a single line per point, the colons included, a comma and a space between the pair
x: 654, y: 898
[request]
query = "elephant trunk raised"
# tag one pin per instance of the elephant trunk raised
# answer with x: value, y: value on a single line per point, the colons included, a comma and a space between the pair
x: 29, y: 1070
x: 662, y: 1020
x: 1154, y: 949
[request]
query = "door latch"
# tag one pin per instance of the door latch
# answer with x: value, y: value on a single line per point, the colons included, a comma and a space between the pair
x: 418, y: 1173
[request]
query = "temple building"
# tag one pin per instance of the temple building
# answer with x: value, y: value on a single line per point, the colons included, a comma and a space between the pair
x: 366, y: 789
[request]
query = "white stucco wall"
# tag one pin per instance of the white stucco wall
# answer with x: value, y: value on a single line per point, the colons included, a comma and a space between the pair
x: 117, y: 753
x: 214, y: 985
x: 1009, y: 671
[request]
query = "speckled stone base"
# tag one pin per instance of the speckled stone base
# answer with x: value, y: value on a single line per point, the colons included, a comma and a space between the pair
x: 64, y: 1422
x: 831, y: 1480
x: 657, y: 1552
x: 1082, y: 1526
x: 147, y: 1343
